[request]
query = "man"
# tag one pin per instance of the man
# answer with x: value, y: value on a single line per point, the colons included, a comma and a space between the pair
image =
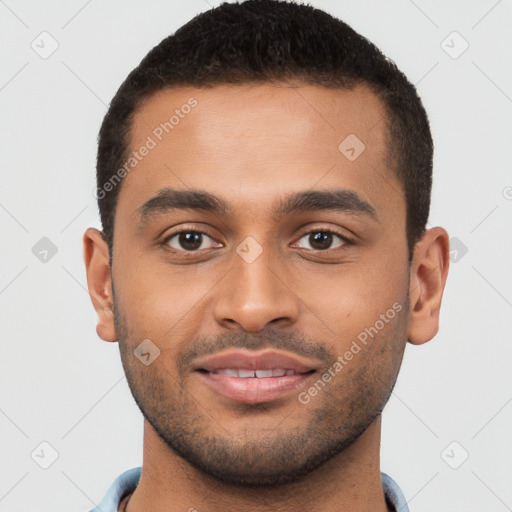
x: 264, y: 182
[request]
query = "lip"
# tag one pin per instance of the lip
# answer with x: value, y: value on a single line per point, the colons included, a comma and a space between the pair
x: 249, y: 360
x: 255, y: 390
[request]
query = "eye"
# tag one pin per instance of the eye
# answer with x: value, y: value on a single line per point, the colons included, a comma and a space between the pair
x: 322, y: 239
x: 189, y: 241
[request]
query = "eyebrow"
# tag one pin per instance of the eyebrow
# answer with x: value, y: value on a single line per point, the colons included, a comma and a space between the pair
x: 343, y: 200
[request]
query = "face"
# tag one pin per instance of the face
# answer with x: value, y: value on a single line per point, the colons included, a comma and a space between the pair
x: 294, y: 259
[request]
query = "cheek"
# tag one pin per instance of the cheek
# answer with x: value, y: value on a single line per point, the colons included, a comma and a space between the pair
x: 159, y: 300
x: 356, y: 298
x: 374, y: 350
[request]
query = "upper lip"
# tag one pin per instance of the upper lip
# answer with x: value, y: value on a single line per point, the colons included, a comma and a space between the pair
x: 249, y: 360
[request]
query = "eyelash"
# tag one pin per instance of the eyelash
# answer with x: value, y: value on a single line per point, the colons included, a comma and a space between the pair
x: 346, y: 240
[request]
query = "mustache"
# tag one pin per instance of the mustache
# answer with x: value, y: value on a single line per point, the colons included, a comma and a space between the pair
x: 291, y: 342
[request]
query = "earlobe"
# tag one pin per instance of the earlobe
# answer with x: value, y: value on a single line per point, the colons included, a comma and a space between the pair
x: 99, y: 282
x: 429, y: 270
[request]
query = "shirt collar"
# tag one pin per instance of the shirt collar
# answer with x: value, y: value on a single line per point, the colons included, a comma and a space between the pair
x: 126, y: 483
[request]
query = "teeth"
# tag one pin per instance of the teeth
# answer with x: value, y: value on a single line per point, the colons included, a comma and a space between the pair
x: 232, y: 373
x: 264, y: 373
x: 247, y: 374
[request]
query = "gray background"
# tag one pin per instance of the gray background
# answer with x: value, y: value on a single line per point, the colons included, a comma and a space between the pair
x: 62, y: 385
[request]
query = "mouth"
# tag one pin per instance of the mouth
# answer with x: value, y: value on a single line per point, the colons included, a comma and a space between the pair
x: 251, y: 378
x: 255, y: 374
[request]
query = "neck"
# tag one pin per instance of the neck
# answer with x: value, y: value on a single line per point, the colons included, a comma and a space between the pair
x: 349, y: 481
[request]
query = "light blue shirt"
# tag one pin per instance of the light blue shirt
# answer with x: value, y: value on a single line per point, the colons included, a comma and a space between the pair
x: 126, y: 483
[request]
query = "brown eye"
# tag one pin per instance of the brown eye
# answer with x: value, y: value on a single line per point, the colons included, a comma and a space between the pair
x: 187, y: 240
x: 323, y: 240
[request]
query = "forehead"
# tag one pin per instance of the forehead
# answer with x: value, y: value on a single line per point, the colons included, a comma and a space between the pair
x: 249, y: 143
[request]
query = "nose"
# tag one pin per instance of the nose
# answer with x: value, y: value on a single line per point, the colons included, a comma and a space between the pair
x: 254, y: 294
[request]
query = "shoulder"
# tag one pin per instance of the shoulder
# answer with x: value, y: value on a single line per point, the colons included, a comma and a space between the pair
x: 125, y: 483
x: 393, y: 493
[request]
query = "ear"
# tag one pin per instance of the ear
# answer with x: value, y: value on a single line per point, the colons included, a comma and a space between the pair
x: 99, y: 282
x: 429, y: 270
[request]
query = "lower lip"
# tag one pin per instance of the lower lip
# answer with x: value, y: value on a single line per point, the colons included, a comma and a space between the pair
x: 254, y: 390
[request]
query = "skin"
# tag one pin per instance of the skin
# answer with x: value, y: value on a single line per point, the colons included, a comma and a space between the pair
x: 251, y: 145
